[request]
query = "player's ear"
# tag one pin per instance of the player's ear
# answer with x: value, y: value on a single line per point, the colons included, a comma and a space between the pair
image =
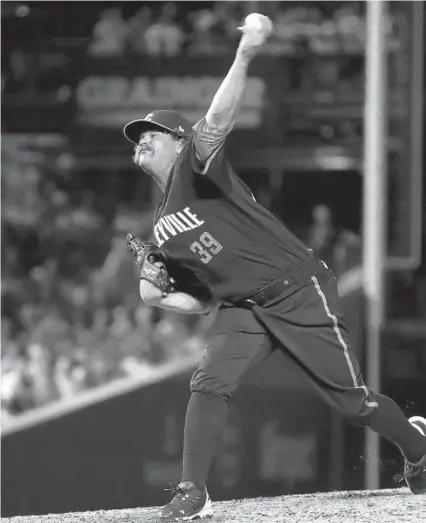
x: 179, y: 145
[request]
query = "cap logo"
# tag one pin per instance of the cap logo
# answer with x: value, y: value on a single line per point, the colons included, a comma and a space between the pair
x: 149, y: 117
x: 181, y: 129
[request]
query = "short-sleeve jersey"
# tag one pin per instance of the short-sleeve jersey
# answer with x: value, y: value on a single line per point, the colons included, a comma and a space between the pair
x: 216, y: 234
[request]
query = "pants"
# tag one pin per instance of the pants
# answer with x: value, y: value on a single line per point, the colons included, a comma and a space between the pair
x: 307, y: 323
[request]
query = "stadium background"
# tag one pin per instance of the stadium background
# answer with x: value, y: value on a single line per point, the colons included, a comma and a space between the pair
x: 94, y: 383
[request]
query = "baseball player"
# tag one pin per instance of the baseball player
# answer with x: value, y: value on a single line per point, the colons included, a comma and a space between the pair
x: 272, y: 292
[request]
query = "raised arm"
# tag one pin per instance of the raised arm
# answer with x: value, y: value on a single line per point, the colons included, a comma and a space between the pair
x: 220, y: 118
x: 222, y: 112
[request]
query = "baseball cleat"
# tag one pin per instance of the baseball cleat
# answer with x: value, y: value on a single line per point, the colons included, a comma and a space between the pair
x: 415, y: 473
x: 187, y: 504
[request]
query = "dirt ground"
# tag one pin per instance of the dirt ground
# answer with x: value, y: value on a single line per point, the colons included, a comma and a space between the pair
x: 384, y: 506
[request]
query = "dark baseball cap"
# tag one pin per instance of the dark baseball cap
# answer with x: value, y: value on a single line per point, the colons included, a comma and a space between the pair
x: 163, y: 120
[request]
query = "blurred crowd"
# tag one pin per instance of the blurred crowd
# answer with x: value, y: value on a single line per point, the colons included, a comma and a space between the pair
x: 72, y: 318
x: 54, y: 38
x: 168, y: 30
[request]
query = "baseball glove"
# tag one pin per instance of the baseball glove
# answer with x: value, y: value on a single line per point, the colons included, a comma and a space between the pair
x: 151, y: 260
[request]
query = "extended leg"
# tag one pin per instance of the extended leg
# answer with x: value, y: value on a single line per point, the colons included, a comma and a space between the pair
x: 237, y: 345
x: 204, y: 425
x: 390, y: 422
x: 316, y: 336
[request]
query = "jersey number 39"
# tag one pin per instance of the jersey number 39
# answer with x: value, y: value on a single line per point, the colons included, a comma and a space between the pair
x: 206, y: 248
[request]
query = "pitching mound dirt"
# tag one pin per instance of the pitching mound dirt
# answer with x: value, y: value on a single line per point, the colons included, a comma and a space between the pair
x: 383, y: 506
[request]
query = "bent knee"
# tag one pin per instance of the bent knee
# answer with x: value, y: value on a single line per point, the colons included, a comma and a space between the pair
x: 212, y: 385
x: 361, y: 414
x: 363, y: 419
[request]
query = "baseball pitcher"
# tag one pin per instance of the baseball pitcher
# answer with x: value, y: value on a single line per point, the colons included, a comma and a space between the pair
x: 272, y: 292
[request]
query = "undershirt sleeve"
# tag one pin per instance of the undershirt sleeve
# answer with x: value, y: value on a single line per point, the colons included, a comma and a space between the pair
x: 207, y: 145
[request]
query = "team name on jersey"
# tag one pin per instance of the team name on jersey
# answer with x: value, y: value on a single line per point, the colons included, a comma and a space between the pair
x: 175, y: 223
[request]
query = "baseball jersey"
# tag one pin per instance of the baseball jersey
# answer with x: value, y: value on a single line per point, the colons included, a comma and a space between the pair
x: 215, y: 234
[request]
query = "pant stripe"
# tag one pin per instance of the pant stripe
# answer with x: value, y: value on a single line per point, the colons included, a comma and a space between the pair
x: 342, y: 343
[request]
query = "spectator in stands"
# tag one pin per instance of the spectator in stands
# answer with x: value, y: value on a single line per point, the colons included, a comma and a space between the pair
x: 68, y: 376
x: 102, y: 357
x: 16, y: 394
x: 100, y: 322
x: 350, y: 27
x: 113, y: 282
x: 347, y: 252
x: 50, y: 329
x: 171, y: 334
x: 138, y: 348
x: 109, y: 34
x: 22, y: 203
x: 138, y: 25
x: 12, y: 291
x: 321, y: 234
x: 283, y: 38
x: 17, y: 76
x: 213, y: 30
x: 165, y: 37
x: 120, y: 325
x: 39, y: 372
x: 29, y: 317
x: 99, y: 369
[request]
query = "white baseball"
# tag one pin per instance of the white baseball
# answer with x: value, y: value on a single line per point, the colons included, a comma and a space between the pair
x: 254, y: 21
x: 259, y: 23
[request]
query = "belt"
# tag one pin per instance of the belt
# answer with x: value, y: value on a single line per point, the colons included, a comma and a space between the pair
x: 298, y: 275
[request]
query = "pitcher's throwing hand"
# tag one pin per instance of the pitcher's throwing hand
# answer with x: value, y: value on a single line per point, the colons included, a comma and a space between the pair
x: 256, y: 30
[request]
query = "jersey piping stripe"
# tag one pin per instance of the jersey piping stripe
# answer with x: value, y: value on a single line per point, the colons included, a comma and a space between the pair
x: 342, y: 343
x: 210, y: 159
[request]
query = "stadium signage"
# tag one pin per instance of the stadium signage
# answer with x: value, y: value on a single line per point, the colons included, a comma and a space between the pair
x: 111, y: 101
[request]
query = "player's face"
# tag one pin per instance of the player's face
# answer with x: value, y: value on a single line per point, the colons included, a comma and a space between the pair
x: 156, y: 152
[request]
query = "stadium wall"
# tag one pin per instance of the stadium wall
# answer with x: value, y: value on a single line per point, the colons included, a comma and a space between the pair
x: 123, y: 451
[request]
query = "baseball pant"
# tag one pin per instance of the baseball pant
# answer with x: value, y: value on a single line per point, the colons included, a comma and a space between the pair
x: 309, y: 326
x: 306, y: 323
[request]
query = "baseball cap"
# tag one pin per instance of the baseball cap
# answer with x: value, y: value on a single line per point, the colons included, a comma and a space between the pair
x: 164, y: 120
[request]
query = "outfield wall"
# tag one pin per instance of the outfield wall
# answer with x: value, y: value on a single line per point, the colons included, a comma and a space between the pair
x: 123, y: 451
